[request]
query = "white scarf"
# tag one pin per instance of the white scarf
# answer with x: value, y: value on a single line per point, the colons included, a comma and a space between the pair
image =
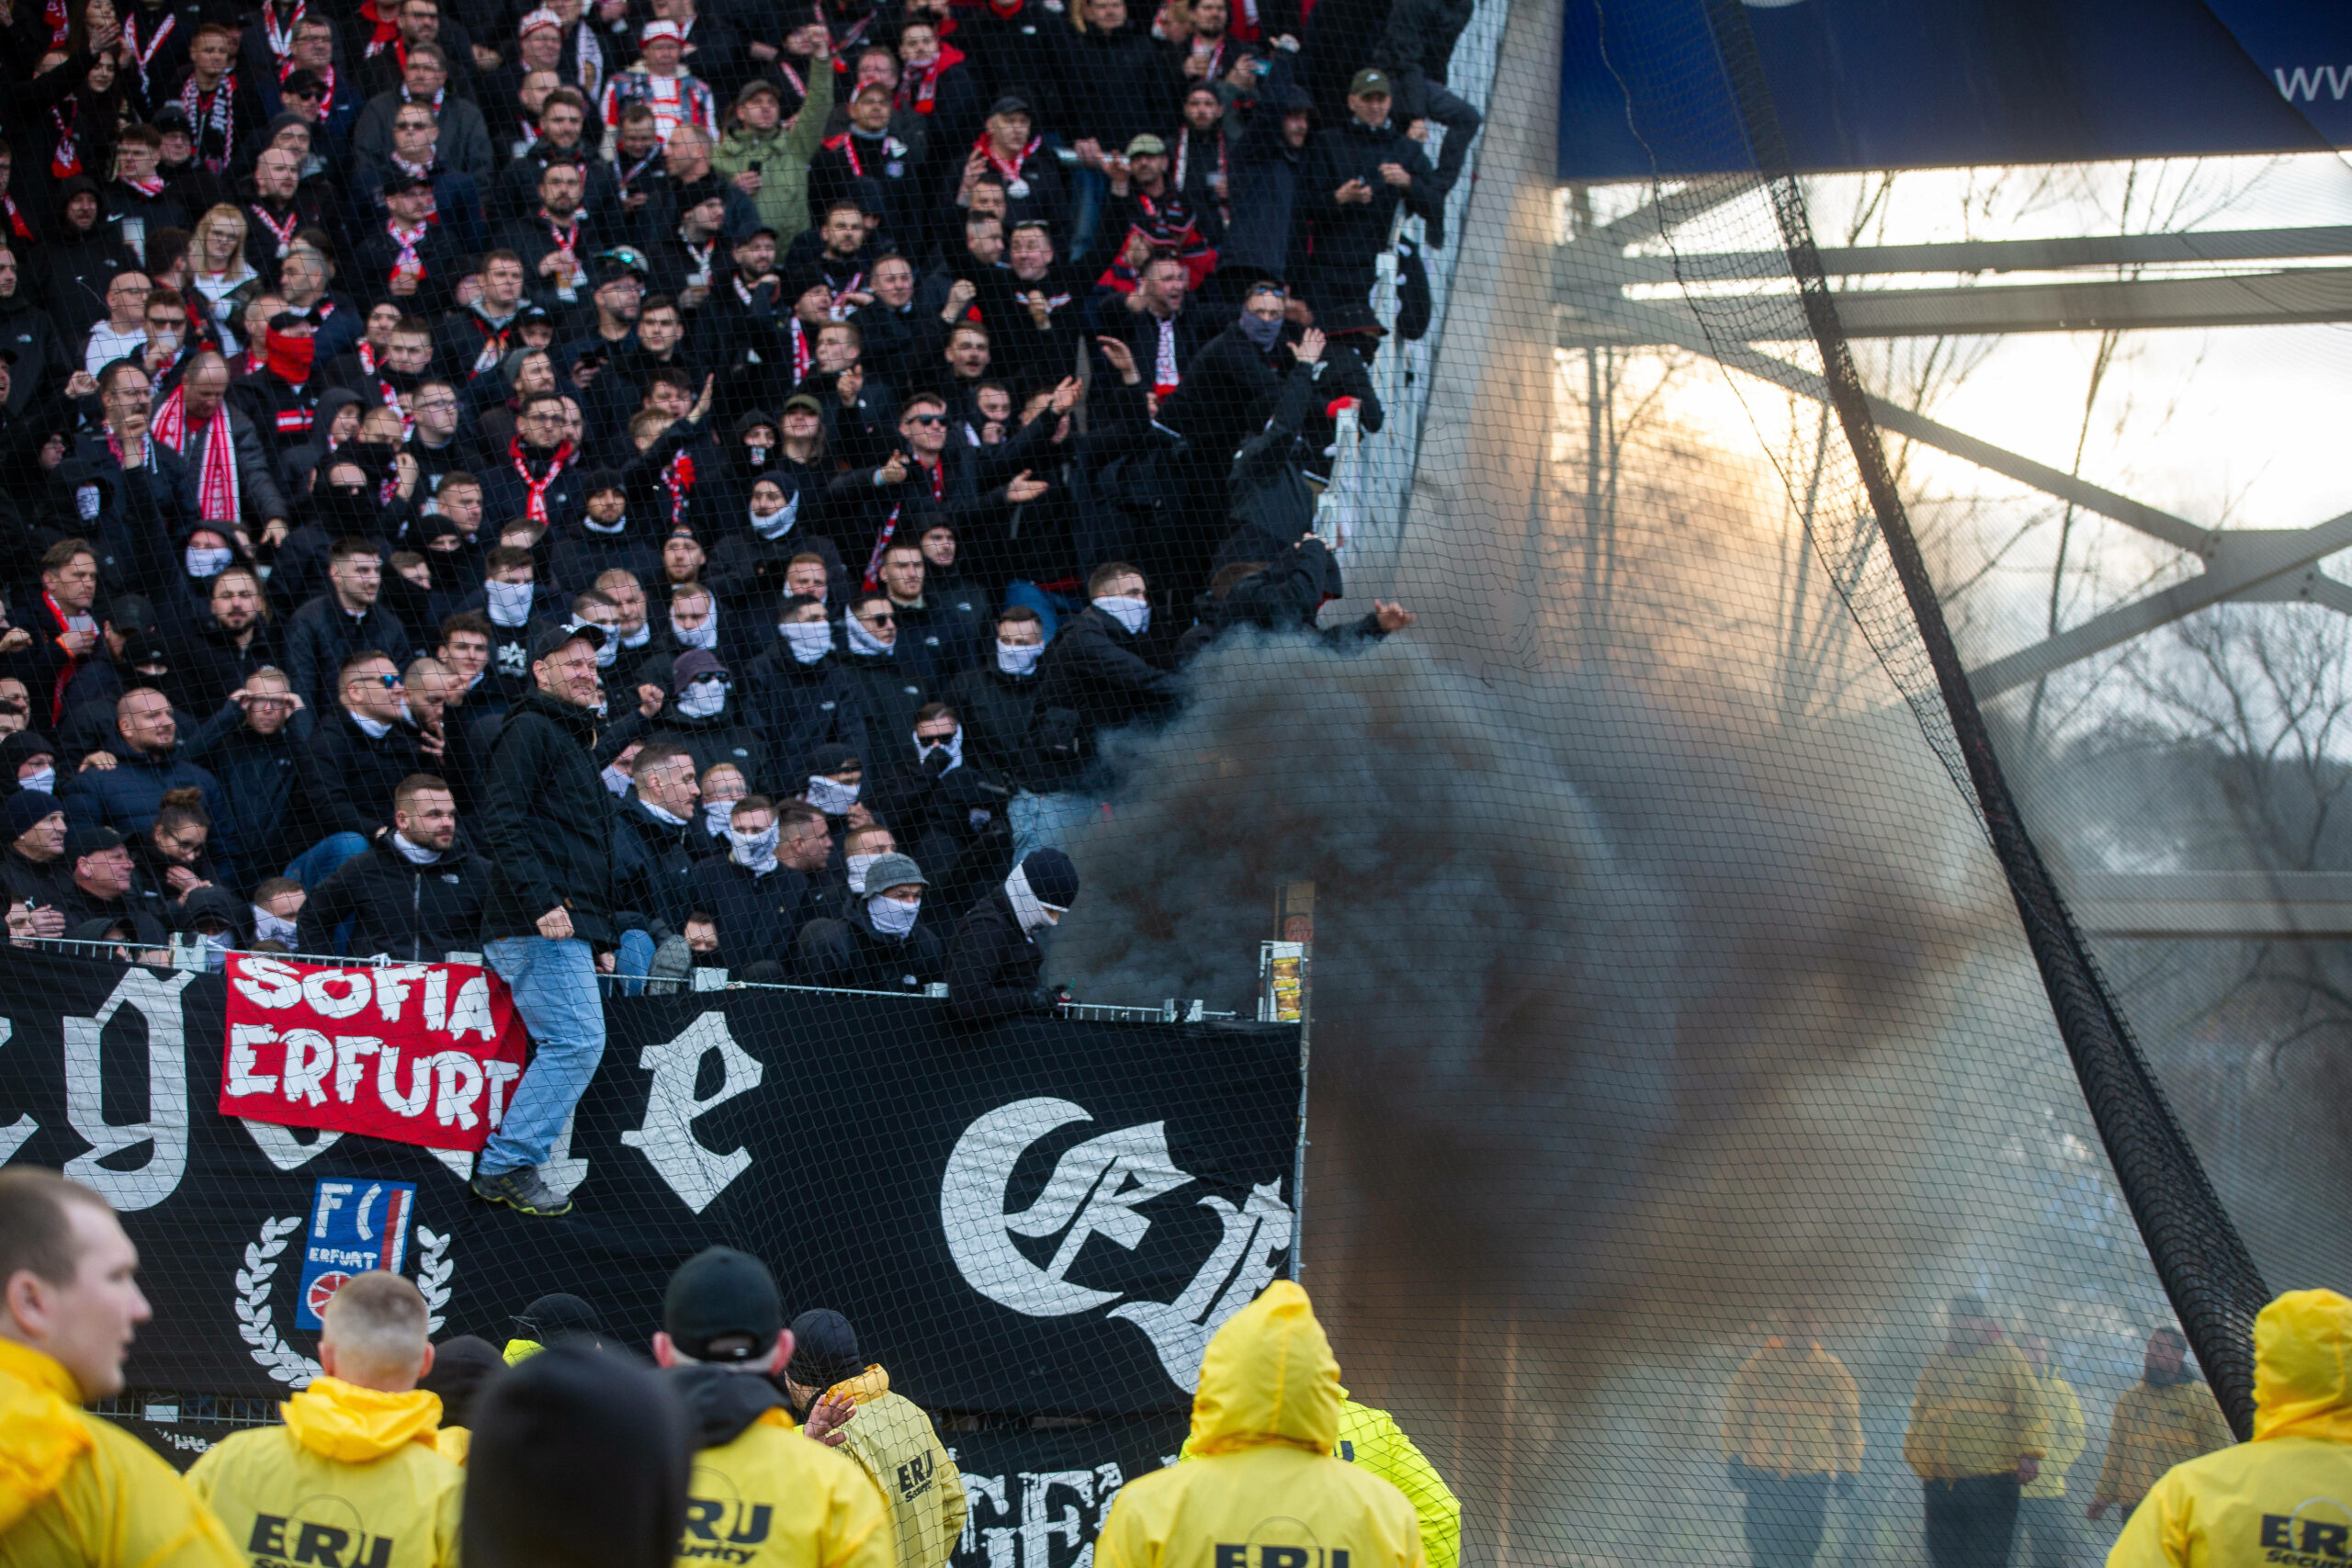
x: 809, y: 640
x: 1133, y: 614
x: 272, y: 928
x: 890, y: 917
x: 830, y: 796
x: 755, y: 852
x: 954, y: 744
x: 703, y: 697
x: 415, y: 854
x: 509, y: 604
x: 1019, y: 658
x: 704, y: 636
x: 661, y: 815
x: 1027, y: 907
x: 776, y: 525
x: 863, y: 641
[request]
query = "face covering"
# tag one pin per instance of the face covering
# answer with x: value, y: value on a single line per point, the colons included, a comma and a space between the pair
x: 716, y: 815
x: 953, y: 745
x: 809, y: 640
x: 755, y: 852
x: 857, y: 864
x: 617, y: 779
x: 216, y: 950
x: 1261, y: 333
x: 609, y: 653
x: 1019, y: 658
x: 509, y: 603
x: 831, y: 797
x: 776, y: 524
x: 890, y: 917
x: 1133, y: 614
x: 43, y: 780
x: 704, y: 697
x: 863, y: 641
x: 206, y: 563
x: 271, y: 928
x: 703, y: 636
x: 287, y: 356
x: 757, y: 455
x: 1026, y: 908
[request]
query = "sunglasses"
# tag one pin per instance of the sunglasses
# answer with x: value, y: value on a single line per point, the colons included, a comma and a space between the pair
x: 879, y: 620
x: 927, y: 417
x: 390, y: 682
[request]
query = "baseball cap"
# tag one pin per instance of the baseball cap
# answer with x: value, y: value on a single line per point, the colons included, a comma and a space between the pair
x: 1369, y: 84
x: 1147, y: 145
x: 803, y: 400
x: 300, y: 84
x: 91, y: 841
x: 550, y: 642
x: 722, y: 1305
x: 1011, y: 103
x: 693, y: 665
x: 399, y: 182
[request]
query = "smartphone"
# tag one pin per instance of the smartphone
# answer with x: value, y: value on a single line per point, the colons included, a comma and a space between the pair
x: 757, y: 166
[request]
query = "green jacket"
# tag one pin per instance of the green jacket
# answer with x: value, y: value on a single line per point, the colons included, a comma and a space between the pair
x: 783, y: 155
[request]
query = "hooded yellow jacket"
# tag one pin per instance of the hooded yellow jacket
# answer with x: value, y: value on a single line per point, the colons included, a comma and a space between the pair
x: 353, y: 1480
x: 1265, y: 1489
x: 770, y: 1498
x: 1976, y: 1412
x: 1371, y: 1439
x: 2066, y: 1433
x: 2285, y: 1497
x: 2154, y: 1429
x: 78, y: 1492
x: 894, y: 1442
x: 1794, y: 1414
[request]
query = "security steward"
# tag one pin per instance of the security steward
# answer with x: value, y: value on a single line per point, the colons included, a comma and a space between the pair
x: 764, y: 1495
x: 76, y: 1491
x: 1265, y: 1485
x: 892, y: 1440
x: 355, y: 1476
x: 2285, y: 1497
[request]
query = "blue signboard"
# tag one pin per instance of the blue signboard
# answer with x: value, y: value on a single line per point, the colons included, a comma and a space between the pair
x: 1922, y: 83
x: 356, y: 1225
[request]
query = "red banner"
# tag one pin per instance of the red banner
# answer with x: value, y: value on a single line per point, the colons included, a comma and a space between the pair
x: 416, y: 1053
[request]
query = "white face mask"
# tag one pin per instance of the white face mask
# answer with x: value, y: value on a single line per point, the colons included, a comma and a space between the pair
x: 703, y: 636
x: 809, y: 640
x: 509, y: 603
x: 1133, y: 614
x: 206, y: 563
x: 863, y: 641
x: 857, y: 864
x: 776, y: 524
x: 43, y: 779
x: 952, y: 745
x: 1019, y: 658
x: 216, y: 950
x: 609, y: 654
x: 890, y: 917
x: 831, y: 797
x: 617, y: 779
x: 272, y: 928
x: 753, y: 851
x: 703, y: 697
x: 716, y: 815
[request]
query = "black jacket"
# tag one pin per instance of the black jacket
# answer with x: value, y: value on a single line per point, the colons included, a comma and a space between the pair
x: 728, y: 735
x: 1093, y: 678
x: 349, y: 775
x: 1121, y: 85
x: 890, y: 692
x: 1418, y: 46
x: 258, y: 775
x: 993, y: 965
x: 548, y: 823
x: 1349, y: 236
x: 207, y: 664
x: 323, y: 635
x: 801, y: 707
x: 996, y: 710
x: 417, y: 913
x: 656, y: 887
x: 759, y: 917
x: 851, y: 956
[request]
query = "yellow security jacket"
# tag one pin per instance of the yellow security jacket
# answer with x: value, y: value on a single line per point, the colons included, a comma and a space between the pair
x: 1793, y: 1412
x: 2154, y: 1429
x: 78, y: 1492
x: 2065, y: 1413
x: 1265, y: 1490
x: 773, y: 1498
x: 893, y: 1441
x: 1372, y: 1439
x: 2285, y: 1497
x: 1976, y: 1412
x: 353, y: 1480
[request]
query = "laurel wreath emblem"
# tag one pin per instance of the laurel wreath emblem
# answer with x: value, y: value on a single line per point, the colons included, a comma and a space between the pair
x: 259, y: 1326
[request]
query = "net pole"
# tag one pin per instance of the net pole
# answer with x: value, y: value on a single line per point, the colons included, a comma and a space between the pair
x: 2207, y: 1272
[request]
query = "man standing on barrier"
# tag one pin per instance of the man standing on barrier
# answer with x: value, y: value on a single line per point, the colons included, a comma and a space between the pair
x: 548, y: 827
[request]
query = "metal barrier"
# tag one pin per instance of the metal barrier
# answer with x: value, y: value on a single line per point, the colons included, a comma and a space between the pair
x: 181, y: 953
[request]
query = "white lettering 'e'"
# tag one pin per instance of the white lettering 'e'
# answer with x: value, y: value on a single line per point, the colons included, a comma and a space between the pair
x: 245, y: 1075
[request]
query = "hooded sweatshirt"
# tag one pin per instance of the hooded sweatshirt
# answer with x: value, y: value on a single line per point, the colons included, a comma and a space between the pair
x: 78, y: 1492
x: 372, y: 1451
x: 2285, y: 1498
x: 770, y: 1495
x: 1265, y: 1425
x: 895, y: 1443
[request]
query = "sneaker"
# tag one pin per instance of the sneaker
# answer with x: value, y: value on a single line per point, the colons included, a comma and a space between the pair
x: 1433, y: 229
x: 524, y: 1190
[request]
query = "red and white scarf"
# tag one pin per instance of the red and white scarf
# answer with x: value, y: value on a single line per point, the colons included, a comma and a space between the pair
x: 59, y: 21
x: 145, y: 57
x: 407, y: 240
x: 281, y: 40
x: 919, y: 86
x: 217, y: 486
x: 282, y: 233
x: 1164, y: 378
x: 150, y: 187
x: 17, y: 228
x: 535, y: 506
x: 678, y: 481
x: 985, y: 146
x: 65, y: 158
x: 209, y: 114
x: 882, y: 537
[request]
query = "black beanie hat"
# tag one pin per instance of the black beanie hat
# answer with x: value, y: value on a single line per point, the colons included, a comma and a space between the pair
x: 463, y: 1369
x: 1052, y: 877
x: 579, y: 1460
x: 824, y: 1350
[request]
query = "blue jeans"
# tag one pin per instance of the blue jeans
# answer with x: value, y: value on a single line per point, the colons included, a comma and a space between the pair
x: 1050, y: 607
x: 1040, y: 821
x: 555, y: 991
x: 317, y: 863
x: 634, y: 962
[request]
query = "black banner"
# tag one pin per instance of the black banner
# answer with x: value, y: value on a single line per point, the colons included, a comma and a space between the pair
x: 1039, y: 1217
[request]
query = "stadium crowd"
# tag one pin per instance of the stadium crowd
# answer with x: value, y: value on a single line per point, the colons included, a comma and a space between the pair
x: 621, y: 488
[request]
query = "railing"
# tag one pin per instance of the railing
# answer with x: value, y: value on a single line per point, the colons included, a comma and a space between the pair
x: 1374, y: 478
x: 195, y: 956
